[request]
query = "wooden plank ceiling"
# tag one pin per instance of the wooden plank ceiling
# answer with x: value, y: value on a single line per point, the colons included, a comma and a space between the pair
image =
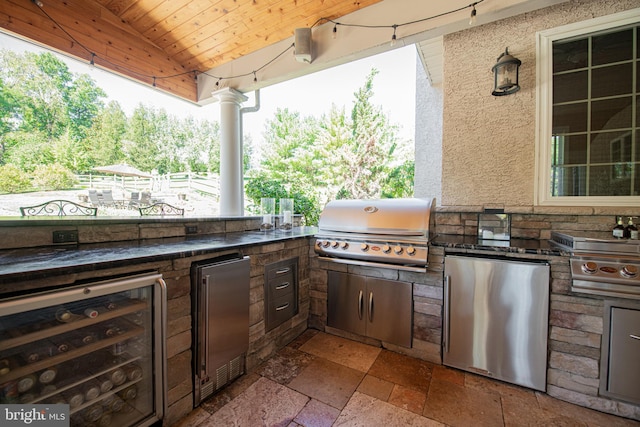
x: 165, y: 42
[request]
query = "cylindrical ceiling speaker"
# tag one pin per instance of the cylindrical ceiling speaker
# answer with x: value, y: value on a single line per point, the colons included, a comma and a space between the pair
x: 302, y: 42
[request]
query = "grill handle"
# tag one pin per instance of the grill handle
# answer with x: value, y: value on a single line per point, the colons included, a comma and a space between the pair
x: 360, y: 302
x: 370, y: 306
x: 635, y: 337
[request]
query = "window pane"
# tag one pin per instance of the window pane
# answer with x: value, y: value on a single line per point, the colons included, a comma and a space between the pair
x: 569, y: 150
x: 603, y: 180
x: 570, y: 118
x: 611, y: 114
x: 570, y: 87
x: 612, y: 80
x: 612, y: 47
x: 570, y: 55
x: 568, y: 181
x: 610, y: 147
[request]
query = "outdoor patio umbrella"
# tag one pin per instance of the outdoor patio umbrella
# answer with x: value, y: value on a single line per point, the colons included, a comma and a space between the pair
x: 122, y: 170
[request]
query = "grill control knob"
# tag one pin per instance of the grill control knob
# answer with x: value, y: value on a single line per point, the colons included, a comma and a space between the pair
x: 319, y: 243
x: 386, y: 249
x: 397, y: 249
x: 590, y: 267
x: 334, y: 244
x: 629, y: 271
x: 326, y: 243
x: 364, y: 247
x: 344, y: 245
x: 411, y: 250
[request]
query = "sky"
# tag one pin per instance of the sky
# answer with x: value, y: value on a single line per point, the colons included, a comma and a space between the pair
x: 311, y: 95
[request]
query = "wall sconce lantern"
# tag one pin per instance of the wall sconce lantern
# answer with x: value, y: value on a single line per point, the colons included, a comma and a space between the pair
x: 505, y: 75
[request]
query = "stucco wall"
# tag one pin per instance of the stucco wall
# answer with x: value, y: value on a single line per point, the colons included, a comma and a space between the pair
x: 428, y: 142
x: 489, y: 142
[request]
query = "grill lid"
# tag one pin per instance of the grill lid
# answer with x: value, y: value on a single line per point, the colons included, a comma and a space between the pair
x: 400, y: 217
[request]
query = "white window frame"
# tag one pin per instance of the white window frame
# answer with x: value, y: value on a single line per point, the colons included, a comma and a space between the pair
x: 544, y: 100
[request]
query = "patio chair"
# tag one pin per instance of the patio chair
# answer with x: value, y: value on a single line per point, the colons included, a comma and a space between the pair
x: 93, y: 198
x: 161, y: 209
x: 145, y: 198
x: 134, y: 200
x: 107, y: 198
x: 58, y: 208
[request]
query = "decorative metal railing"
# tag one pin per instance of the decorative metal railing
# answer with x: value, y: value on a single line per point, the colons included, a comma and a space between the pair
x: 160, y: 209
x: 58, y: 208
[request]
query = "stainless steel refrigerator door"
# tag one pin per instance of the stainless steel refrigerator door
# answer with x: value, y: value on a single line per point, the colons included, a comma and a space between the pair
x: 222, y: 328
x: 496, y: 319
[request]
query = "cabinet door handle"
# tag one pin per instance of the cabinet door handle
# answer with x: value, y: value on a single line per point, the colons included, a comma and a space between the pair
x: 635, y: 337
x: 283, y: 270
x: 445, y: 320
x: 282, y: 307
x: 370, y: 306
x: 205, y: 325
x: 360, y: 302
x: 282, y: 286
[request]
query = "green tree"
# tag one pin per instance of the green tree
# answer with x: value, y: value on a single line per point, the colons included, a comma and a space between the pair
x: 45, y: 105
x: 338, y: 156
x: 104, y: 141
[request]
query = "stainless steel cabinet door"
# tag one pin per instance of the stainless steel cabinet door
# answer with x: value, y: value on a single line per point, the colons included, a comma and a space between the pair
x: 389, y: 311
x: 624, y: 351
x: 377, y: 308
x: 496, y: 319
x: 346, y: 307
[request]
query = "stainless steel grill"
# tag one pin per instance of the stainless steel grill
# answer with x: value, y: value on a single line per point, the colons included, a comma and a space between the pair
x: 392, y: 233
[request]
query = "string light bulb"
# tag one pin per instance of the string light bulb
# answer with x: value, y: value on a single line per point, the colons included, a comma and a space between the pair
x: 255, y: 79
x: 393, y: 37
x: 474, y: 13
x: 154, y: 81
x: 91, y: 61
x: 334, y: 35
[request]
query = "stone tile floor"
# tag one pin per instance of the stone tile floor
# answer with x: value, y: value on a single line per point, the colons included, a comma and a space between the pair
x: 323, y: 380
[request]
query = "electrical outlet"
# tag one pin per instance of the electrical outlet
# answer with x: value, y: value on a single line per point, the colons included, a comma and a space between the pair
x: 65, y: 236
x: 191, y: 229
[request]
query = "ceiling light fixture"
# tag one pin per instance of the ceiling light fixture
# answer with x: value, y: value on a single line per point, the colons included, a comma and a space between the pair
x: 474, y: 13
x: 393, y: 37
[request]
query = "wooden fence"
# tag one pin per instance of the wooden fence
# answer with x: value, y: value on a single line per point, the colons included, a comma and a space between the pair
x: 184, y: 182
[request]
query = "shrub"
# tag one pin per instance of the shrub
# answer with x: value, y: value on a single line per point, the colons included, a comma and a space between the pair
x: 304, y: 202
x: 53, y: 177
x: 13, y: 180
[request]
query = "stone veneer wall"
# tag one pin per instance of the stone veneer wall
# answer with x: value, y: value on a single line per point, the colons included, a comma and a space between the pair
x: 575, y: 320
x: 176, y: 274
x: 261, y: 345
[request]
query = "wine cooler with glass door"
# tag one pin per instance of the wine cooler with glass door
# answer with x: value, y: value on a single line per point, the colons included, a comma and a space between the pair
x: 98, y: 347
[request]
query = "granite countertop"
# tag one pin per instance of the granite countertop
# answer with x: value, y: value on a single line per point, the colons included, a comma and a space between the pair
x: 520, y: 246
x: 34, y: 263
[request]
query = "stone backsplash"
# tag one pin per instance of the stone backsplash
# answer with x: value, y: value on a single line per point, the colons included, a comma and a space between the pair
x: 535, y: 223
